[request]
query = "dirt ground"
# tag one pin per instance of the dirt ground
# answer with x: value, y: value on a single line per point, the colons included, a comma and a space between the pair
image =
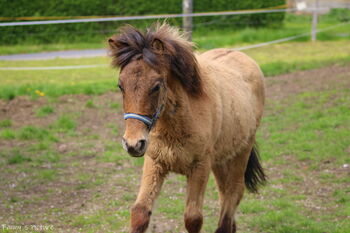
x: 64, y: 197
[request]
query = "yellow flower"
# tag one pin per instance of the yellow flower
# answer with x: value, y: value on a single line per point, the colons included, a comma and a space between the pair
x: 40, y: 93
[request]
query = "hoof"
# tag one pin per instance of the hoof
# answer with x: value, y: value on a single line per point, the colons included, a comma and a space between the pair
x: 140, y: 217
x: 194, y: 223
x: 226, y: 226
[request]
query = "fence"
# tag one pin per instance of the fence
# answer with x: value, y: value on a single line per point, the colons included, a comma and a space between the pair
x: 125, y: 18
x: 225, y: 13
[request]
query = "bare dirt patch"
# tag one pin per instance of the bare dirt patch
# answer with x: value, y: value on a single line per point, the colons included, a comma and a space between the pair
x: 326, y: 78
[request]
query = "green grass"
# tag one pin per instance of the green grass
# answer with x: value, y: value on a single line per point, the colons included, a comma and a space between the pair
x: 115, y: 105
x: 290, y: 57
x: 32, y: 132
x: 274, y: 59
x: 319, y: 133
x: 34, y: 48
x: 90, y: 104
x: 65, y: 123
x: 5, y: 123
x: 48, y: 175
x: 7, y: 134
x: 56, y: 83
x: 45, y: 111
x: 17, y: 158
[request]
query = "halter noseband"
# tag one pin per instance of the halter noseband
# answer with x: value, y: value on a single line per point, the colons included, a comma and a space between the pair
x: 149, y: 122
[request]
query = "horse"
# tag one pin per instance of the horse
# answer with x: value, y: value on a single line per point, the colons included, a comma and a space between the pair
x: 189, y: 114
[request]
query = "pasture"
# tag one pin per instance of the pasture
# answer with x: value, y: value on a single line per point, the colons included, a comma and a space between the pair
x: 62, y: 163
x: 274, y: 60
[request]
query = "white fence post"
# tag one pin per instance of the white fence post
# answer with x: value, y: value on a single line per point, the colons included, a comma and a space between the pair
x: 314, y: 21
x: 187, y: 6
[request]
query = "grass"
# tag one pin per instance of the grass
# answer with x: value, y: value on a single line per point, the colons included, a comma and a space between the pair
x: 18, y: 158
x: 7, y: 134
x: 45, y: 111
x: 5, y: 123
x: 32, y: 132
x: 115, y: 105
x: 275, y: 59
x: 35, y: 48
x: 56, y: 83
x: 90, y: 104
x: 64, y: 123
x: 319, y: 132
x: 290, y: 57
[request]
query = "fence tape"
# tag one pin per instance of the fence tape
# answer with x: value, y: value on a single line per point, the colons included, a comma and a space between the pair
x: 27, y: 18
x: 287, y: 38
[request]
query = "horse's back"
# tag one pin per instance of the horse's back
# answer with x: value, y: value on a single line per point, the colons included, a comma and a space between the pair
x: 238, y: 87
x: 240, y: 63
x: 244, y: 70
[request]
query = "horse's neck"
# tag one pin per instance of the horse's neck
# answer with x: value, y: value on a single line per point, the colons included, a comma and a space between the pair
x: 173, y: 123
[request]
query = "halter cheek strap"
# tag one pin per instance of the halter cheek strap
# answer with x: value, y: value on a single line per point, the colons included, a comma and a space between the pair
x: 149, y: 122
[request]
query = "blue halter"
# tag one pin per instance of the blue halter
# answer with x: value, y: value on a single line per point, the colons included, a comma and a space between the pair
x: 149, y: 122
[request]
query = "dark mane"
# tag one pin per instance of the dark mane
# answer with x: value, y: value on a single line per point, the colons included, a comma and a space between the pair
x: 159, y: 46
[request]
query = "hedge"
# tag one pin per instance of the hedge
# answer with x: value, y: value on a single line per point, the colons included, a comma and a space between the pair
x: 87, y: 32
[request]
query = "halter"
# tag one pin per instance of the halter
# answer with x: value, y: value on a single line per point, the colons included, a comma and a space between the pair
x: 149, y: 122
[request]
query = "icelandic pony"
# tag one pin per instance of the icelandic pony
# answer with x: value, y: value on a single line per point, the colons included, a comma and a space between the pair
x: 188, y: 114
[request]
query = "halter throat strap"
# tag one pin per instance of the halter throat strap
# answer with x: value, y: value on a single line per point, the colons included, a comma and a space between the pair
x: 149, y: 122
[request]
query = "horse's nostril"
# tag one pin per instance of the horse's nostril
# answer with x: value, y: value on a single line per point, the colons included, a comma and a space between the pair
x: 141, y: 145
x: 125, y: 144
x: 135, y: 150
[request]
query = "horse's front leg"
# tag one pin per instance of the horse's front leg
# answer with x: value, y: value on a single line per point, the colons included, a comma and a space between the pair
x: 196, y: 183
x: 152, y: 180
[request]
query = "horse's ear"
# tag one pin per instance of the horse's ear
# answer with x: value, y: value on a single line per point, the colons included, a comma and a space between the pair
x: 158, y: 45
x: 113, y: 43
x: 115, y: 46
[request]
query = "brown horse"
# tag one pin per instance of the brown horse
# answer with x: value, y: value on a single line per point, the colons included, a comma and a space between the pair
x: 189, y: 114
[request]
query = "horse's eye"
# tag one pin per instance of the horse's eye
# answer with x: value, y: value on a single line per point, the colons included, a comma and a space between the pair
x: 156, y: 88
x: 120, y: 88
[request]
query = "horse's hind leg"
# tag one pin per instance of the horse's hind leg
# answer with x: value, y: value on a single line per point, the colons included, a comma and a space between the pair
x: 230, y: 181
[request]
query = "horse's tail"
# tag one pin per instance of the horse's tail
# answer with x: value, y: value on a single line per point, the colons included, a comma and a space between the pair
x: 254, y: 174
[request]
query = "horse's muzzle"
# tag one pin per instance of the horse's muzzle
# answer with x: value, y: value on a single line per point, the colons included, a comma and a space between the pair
x: 137, y: 149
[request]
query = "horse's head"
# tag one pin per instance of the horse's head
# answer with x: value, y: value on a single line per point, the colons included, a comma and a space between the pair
x: 144, y: 95
x: 149, y: 62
